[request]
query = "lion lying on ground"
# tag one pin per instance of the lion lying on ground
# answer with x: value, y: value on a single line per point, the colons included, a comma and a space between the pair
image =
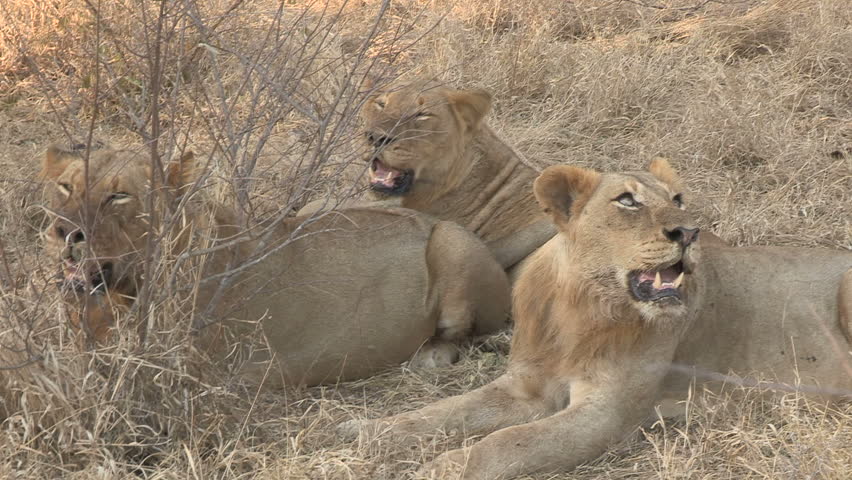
x: 431, y: 149
x: 338, y: 297
x: 623, y: 309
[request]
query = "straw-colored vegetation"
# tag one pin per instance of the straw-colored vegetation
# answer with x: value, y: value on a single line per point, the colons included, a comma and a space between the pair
x: 751, y: 100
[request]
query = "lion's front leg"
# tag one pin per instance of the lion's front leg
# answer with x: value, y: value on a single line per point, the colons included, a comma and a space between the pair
x: 501, y: 403
x: 596, y: 419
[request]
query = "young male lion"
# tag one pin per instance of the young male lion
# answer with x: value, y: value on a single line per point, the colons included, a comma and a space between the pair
x: 338, y: 297
x: 624, y: 308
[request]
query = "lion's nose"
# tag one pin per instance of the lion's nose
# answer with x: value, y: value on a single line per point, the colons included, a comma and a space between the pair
x: 684, y: 236
x: 71, y: 235
x: 378, y: 140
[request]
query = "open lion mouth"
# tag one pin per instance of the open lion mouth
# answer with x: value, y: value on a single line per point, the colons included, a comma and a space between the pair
x: 656, y: 285
x: 86, y: 277
x: 389, y: 180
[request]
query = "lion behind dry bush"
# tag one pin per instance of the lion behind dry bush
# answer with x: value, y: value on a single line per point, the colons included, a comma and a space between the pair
x: 338, y: 297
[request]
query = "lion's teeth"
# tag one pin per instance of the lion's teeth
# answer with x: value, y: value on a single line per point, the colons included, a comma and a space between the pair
x: 658, y: 282
x: 678, y: 280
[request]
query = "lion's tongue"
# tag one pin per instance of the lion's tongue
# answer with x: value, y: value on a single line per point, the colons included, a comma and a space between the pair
x: 383, y: 175
x: 74, y: 272
x: 81, y: 273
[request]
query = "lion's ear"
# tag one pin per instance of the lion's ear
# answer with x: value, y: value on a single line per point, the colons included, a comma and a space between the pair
x: 664, y: 172
x: 182, y: 173
x: 55, y: 161
x: 368, y: 85
x: 471, y: 106
x: 562, y: 191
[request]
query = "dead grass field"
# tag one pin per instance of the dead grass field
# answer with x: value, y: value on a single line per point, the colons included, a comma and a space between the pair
x: 751, y: 100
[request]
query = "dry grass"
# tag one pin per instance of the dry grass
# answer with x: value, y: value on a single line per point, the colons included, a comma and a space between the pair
x: 751, y: 100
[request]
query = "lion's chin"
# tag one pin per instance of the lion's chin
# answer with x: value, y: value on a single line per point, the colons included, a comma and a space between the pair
x: 389, y: 180
x: 661, y: 312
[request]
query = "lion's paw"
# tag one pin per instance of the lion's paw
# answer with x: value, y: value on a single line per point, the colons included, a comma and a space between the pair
x: 351, y: 429
x: 449, y: 465
x: 435, y: 355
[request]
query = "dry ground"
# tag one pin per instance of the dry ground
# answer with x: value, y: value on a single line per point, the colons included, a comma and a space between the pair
x: 751, y: 100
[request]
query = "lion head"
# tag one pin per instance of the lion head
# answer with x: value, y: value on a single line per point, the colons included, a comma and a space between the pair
x: 631, y: 239
x: 100, y: 222
x: 417, y: 134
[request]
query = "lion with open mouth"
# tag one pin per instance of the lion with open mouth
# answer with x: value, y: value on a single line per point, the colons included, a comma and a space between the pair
x: 429, y: 148
x: 624, y: 309
x: 337, y: 297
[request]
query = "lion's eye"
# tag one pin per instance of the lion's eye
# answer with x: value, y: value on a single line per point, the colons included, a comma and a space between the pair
x: 626, y: 199
x: 380, y: 104
x: 422, y: 115
x: 65, y: 188
x: 118, y: 198
x: 678, y: 200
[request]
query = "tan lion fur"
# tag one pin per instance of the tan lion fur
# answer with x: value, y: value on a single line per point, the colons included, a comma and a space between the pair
x: 338, y: 297
x: 590, y: 360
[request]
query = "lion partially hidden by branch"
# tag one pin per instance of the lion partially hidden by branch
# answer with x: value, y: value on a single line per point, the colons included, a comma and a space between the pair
x: 625, y: 308
x: 338, y: 297
x: 430, y: 149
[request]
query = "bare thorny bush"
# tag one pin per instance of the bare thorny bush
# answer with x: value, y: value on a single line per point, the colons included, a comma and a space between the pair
x: 266, y: 96
x: 751, y: 100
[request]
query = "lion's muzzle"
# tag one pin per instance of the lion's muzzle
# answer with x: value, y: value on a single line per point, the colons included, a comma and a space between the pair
x: 87, y: 276
x: 656, y: 285
x: 389, y: 180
